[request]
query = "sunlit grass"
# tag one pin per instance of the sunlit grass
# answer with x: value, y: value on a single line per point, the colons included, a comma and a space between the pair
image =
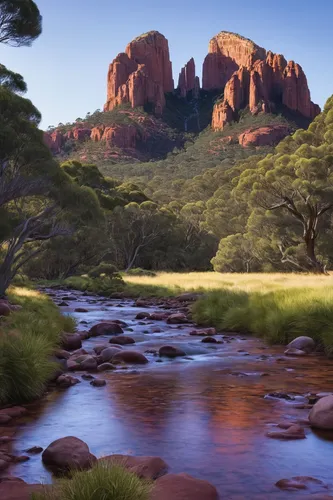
x: 246, y: 282
x: 102, y: 482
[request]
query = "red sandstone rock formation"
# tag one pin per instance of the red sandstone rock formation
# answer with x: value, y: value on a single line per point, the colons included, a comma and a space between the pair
x: 120, y: 136
x: 187, y: 80
x: 54, y: 141
x: 141, y: 75
x: 251, y: 77
x: 263, y: 136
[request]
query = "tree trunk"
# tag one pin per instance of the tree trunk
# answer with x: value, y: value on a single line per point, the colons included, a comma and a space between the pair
x: 5, y: 279
x: 316, y: 266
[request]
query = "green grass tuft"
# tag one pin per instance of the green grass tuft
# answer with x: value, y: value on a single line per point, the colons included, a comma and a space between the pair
x: 27, y: 339
x: 102, y: 482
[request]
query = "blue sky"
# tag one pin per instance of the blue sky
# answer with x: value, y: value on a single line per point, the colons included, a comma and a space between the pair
x: 66, y: 68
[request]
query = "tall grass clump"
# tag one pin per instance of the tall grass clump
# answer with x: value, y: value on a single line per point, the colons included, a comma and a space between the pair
x: 102, y: 482
x: 278, y: 316
x: 28, y: 338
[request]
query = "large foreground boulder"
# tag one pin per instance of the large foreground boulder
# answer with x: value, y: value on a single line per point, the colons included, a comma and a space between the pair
x: 321, y: 415
x: 306, y: 344
x: 106, y: 328
x: 68, y: 453
x: 144, y: 467
x: 183, y: 487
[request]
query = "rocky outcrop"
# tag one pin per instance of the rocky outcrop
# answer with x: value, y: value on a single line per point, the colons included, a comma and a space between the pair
x: 120, y: 136
x: 250, y: 77
x: 143, y: 74
x: 263, y: 136
x: 187, y: 81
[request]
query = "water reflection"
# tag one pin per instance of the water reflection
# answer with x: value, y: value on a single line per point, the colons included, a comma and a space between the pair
x: 204, y: 417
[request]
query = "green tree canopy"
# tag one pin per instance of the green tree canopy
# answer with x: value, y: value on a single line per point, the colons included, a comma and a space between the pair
x: 20, y: 22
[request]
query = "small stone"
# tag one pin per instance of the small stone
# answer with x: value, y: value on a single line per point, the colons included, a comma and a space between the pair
x: 105, y: 367
x: 87, y: 377
x: 81, y: 310
x: 35, y: 450
x: 293, y: 432
x: 98, y: 383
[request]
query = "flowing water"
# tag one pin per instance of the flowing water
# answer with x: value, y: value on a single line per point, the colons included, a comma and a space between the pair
x: 206, y: 415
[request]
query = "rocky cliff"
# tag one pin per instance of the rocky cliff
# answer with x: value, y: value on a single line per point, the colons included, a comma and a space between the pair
x: 248, y: 76
x: 187, y: 81
x: 142, y: 74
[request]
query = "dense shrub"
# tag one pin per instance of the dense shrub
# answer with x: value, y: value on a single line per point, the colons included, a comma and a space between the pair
x: 102, y: 482
x: 104, y: 285
x: 103, y: 269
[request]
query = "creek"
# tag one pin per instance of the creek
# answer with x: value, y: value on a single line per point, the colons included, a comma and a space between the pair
x: 205, y: 414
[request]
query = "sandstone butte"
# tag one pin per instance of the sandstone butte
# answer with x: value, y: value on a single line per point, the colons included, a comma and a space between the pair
x: 250, y: 76
x: 142, y: 74
x: 243, y: 72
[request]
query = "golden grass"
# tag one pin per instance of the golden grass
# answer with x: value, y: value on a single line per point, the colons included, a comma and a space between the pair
x: 259, y: 282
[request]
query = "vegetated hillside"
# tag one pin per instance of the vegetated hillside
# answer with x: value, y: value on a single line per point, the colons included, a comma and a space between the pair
x: 174, y: 177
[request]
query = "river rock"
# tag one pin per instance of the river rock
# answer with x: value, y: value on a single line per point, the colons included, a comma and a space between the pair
x: 131, y: 357
x: 123, y: 340
x: 105, y: 328
x: 177, y: 319
x: 145, y: 467
x: 68, y: 453
x: 14, y: 411
x: 104, y: 367
x: 99, y: 348
x: 293, y: 432
x: 62, y: 354
x: 189, y: 297
x: 300, y: 483
x: 97, y: 382
x: 205, y: 332
x: 306, y: 344
x: 171, y: 352
x: 294, y: 352
x: 209, y: 340
x: 81, y: 310
x: 35, y: 450
x: 66, y: 381
x: 71, y: 341
x: 321, y: 415
x: 159, y: 316
x: 142, y: 315
x: 108, y: 353
x: 19, y: 490
x: 183, y: 487
x: 5, y: 419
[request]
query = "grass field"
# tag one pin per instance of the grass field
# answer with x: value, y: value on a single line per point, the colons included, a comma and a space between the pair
x: 259, y: 282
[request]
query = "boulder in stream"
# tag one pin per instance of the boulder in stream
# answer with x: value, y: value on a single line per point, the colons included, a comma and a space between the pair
x: 106, y: 328
x: 321, y: 415
x: 122, y: 340
x: 68, y: 453
x: 170, y: 351
x: 177, y: 319
x: 131, y: 357
x: 71, y: 341
x: 306, y: 344
x: 183, y: 487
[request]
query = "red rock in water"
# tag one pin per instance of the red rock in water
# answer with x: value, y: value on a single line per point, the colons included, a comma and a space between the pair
x: 187, y: 79
x: 251, y: 77
x: 145, y: 467
x: 263, y: 136
x: 183, y: 487
x: 143, y: 74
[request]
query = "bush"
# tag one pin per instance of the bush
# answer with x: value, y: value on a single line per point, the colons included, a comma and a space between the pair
x: 27, y: 340
x: 278, y: 316
x: 102, y: 482
x: 138, y: 271
x: 104, y: 285
x: 103, y: 269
